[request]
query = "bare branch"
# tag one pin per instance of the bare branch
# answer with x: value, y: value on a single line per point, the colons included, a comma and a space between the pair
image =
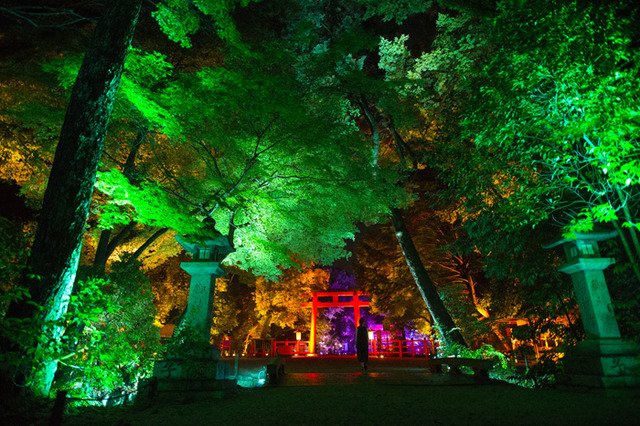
x: 47, y: 16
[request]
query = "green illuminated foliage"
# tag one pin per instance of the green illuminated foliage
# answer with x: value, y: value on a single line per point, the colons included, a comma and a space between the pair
x: 563, y: 103
x: 570, y: 111
x: 109, y: 342
x: 111, y: 328
x: 561, y: 106
x: 397, y: 10
x: 260, y: 156
x: 13, y: 244
x: 73, y: 173
x: 538, y: 106
x: 180, y: 19
x: 153, y: 205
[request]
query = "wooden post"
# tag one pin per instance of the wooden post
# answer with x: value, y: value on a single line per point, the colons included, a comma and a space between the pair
x: 356, y: 308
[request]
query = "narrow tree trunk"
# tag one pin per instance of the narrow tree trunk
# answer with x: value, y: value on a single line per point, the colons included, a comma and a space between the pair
x: 444, y: 323
x: 624, y: 200
x: 129, y: 168
x: 106, y: 247
x: 401, y: 146
x: 100, y: 259
x: 119, y: 238
x: 375, y: 132
x: 146, y: 244
x: 632, y: 254
x: 627, y: 249
x: 56, y: 249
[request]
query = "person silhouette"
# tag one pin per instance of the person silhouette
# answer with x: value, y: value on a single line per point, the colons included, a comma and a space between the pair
x: 362, y: 344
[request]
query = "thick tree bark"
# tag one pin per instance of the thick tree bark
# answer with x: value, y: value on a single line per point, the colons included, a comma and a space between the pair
x: 56, y: 249
x: 444, y: 322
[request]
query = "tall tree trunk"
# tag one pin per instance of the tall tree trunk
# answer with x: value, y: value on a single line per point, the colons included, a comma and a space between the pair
x: 56, y: 249
x: 446, y: 327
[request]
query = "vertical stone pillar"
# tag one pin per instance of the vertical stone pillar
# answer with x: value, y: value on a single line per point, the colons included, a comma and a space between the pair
x: 199, y: 314
x: 198, y: 369
x: 603, y: 359
x: 593, y: 297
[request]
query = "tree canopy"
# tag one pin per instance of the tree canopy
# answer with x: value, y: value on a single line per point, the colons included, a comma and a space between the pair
x: 473, y: 131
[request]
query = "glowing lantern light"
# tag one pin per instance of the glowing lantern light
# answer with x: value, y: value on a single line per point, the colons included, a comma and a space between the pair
x: 298, y: 338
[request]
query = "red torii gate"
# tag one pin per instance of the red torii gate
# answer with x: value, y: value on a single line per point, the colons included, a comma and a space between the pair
x: 335, y: 302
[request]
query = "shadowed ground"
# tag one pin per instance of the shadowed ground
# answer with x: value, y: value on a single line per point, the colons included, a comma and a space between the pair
x: 332, y: 391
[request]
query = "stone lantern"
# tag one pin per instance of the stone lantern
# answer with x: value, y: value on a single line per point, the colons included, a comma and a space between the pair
x: 204, y: 270
x: 603, y: 359
x: 177, y: 371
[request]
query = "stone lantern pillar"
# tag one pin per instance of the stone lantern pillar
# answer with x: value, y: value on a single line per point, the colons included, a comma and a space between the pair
x: 199, y: 369
x: 603, y: 359
x: 204, y: 270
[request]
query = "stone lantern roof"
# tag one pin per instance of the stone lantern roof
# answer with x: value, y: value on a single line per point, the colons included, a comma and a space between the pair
x: 584, y: 246
x: 210, y: 250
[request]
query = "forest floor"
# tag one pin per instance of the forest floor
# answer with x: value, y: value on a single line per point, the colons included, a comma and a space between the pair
x: 333, y: 391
